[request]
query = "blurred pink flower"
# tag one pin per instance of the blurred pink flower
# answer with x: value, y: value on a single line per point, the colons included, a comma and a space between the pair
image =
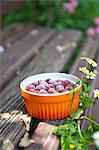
x: 91, y: 32
x: 69, y: 7
x: 97, y: 30
x: 96, y: 21
x: 74, y: 3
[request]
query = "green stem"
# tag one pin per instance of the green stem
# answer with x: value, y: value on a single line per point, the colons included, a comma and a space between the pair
x: 62, y: 143
x: 72, y: 102
x: 87, y: 118
x: 79, y: 131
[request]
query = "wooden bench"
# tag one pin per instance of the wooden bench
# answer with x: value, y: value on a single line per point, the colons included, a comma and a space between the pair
x: 11, y: 99
x: 28, y: 51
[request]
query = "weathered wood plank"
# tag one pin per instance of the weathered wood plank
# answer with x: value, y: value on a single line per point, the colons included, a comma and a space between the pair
x: 30, y: 45
x: 10, y: 34
x: 10, y: 124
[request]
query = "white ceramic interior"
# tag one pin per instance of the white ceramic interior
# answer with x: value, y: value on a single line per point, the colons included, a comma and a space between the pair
x: 45, y: 76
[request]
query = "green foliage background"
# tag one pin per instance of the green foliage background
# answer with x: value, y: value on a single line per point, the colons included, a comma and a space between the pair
x: 51, y: 13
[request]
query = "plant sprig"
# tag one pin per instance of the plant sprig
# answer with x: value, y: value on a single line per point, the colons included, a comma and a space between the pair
x: 72, y: 137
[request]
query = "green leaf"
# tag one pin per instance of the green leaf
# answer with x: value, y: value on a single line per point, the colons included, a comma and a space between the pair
x: 78, y: 82
x: 86, y: 101
x: 94, y: 127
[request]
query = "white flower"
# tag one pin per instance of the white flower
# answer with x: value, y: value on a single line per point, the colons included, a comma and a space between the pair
x: 95, y: 136
x: 96, y: 93
x: 90, y: 61
x: 91, y: 75
x: 84, y: 70
x: 80, y: 104
x: 95, y: 72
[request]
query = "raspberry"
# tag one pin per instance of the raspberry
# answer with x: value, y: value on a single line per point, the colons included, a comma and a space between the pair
x: 60, y: 81
x: 32, y: 90
x: 55, y: 83
x: 30, y: 87
x: 43, y: 91
x: 42, y: 85
x: 50, y: 86
x: 51, y: 81
x: 51, y: 91
x: 47, y: 80
x: 66, y: 90
x: 47, y: 86
x: 68, y: 87
x: 66, y: 82
x: 39, y: 81
x: 39, y: 87
x: 59, y: 88
x: 36, y: 83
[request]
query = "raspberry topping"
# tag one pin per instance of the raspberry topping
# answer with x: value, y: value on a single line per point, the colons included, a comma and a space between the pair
x: 50, y: 86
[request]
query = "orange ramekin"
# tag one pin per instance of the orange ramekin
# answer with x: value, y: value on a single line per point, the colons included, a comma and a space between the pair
x: 50, y: 106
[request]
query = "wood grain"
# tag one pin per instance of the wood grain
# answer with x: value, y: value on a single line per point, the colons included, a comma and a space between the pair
x: 21, y: 53
x: 11, y: 33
